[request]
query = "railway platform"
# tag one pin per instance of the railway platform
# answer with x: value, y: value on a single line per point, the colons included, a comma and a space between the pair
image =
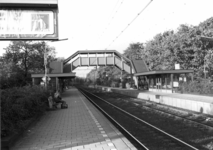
x: 80, y: 127
x: 196, y: 103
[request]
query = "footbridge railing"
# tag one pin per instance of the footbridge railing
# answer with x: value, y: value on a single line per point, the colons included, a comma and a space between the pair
x: 98, y: 58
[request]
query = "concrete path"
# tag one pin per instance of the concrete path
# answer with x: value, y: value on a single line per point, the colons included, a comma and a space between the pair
x: 80, y: 127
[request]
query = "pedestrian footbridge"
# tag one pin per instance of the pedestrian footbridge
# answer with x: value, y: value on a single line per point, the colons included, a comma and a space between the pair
x: 102, y: 58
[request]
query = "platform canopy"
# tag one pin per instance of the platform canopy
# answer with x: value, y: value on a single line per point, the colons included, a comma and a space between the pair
x: 179, y: 71
x: 58, y: 75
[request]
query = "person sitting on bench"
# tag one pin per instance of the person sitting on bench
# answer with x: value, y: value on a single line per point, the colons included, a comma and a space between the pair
x: 57, y: 98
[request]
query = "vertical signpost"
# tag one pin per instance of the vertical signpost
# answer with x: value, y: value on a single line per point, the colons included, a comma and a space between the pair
x: 29, y: 20
x: 45, y: 66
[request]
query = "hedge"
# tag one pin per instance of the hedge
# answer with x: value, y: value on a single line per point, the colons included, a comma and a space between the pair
x: 19, y: 105
x: 198, y: 87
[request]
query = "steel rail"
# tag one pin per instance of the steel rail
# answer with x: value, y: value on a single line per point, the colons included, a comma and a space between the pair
x: 115, y: 121
x: 164, y: 111
x: 145, y: 122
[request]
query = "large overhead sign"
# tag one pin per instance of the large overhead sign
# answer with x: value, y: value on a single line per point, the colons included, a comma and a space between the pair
x: 30, y: 20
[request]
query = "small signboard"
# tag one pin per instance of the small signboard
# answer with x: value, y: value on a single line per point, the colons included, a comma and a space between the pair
x: 175, y: 84
x: 47, y: 78
x: 177, y: 66
x: 27, y: 24
x: 28, y: 20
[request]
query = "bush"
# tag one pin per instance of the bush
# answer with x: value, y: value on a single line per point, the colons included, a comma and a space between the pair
x: 200, y: 86
x: 18, y: 105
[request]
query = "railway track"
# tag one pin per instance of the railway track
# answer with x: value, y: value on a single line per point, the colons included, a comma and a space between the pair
x: 188, y: 117
x: 199, y: 121
x: 144, y: 134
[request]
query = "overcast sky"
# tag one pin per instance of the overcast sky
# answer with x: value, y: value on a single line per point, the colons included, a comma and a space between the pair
x: 94, y: 24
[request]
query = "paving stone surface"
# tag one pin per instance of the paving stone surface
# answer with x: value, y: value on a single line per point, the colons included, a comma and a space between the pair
x: 80, y: 127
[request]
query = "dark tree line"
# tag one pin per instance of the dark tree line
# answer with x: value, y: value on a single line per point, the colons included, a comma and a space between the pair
x: 20, y: 60
x: 184, y: 46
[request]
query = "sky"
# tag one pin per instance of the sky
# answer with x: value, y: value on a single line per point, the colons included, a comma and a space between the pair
x: 94, y: 24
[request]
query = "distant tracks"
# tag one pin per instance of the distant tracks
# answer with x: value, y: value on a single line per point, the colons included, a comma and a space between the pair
x: 146, y: 135
x: 186, y: 118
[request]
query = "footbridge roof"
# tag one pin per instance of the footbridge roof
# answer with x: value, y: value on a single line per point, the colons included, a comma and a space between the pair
x: 96, y: 52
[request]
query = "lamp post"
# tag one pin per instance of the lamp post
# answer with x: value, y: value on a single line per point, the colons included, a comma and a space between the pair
x: 45, y: 66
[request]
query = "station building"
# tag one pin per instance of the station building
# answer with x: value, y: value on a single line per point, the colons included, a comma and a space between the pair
x: 162, y: 80
x: 167, y: 81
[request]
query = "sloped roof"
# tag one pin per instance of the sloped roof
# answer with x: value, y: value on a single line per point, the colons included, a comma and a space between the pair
x: 139, y: 65
x: 62, y: 75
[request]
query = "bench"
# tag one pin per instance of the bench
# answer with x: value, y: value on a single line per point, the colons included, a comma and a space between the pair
x: 53, y: 103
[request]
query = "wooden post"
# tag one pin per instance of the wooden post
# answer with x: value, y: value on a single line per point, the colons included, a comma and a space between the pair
x: 172, y: 82
x: 132, y: 75
x: 147, y: 80
x: 33, y: 81
x: 56, y: 83
x: 166, y: 80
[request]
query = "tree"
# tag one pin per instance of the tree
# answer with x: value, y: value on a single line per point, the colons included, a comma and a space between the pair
x: 184, y: 47
x: 156, y: 53
x: 133, y: 50
x: 106, y: 75
x: 25, y: 57
x: 91, y: 76
x: 206, y: 28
